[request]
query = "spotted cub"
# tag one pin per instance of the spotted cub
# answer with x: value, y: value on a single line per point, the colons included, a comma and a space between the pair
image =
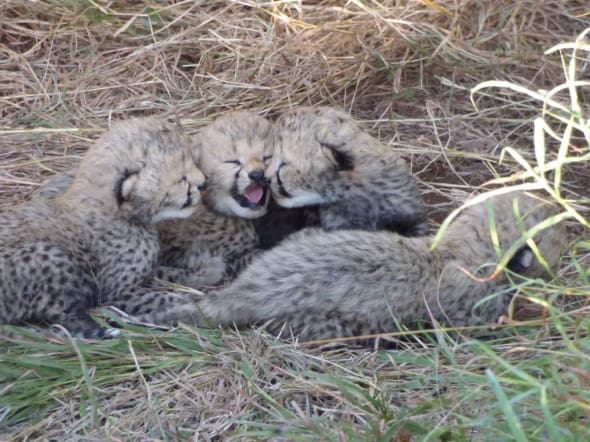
x: 234, y: 152
x: 234, y: 149
x: 324, y: 285
x: 323, y: 158
x: 98, y: 242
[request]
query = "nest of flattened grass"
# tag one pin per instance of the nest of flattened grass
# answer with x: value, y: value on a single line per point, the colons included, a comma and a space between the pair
x: 405, y: 69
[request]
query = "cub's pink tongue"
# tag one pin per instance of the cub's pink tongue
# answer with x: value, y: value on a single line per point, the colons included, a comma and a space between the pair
x: 254, y: 195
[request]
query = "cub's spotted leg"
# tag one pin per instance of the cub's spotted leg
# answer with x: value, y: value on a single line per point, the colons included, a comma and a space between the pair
x: 198, y: 278
x: 122, y: 281
x: 47, y: 286
x: 237, y: 263
x: 158, y: 306
x: 80, y: 324
x: 357, y: 214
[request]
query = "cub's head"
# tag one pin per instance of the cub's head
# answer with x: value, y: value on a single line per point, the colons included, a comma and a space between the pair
x: 314, y: 155
x: 490, y: 229
x: 234, y: 151
x: 144, y: 168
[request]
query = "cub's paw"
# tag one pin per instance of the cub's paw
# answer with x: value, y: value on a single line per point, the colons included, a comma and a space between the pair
x: 204, y: 272
x: 212, y: 270
x: 94, y: 332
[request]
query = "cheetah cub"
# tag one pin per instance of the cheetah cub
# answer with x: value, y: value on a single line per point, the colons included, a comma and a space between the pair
x: 98, y: 242
x: 234, y: 151
x: 323, y: 285
x: 323, y: 158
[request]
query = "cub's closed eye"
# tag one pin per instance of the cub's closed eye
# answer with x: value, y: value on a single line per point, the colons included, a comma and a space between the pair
x: 266, y: 158
x: 236, y: 162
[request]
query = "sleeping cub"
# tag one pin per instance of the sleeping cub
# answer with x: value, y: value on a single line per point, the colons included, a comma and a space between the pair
x: 324, y: 285
x: 322, y: 158
x: 234, y: 151
x: 98, y: 242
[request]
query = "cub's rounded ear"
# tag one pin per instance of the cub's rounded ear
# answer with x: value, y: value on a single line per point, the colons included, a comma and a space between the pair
x: 522, y: 260
x: 262, y: 127
x: 333, y: 113
x: 336, y: 128
x: 126, y: 185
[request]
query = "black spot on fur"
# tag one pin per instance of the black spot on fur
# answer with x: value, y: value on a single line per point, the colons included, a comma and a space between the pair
x: 405, y: 225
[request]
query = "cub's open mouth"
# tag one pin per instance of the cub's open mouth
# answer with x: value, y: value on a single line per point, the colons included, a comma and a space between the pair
x: 253, y: 198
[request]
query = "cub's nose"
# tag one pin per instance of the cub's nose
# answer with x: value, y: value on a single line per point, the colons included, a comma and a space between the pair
x: 258, y: 177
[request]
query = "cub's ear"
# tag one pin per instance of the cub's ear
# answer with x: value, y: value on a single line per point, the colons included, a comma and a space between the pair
x: 343, y: 161
x: 335, y: 127
x: 126, y: 185
x: 337, y: 133
x: 522, y: 260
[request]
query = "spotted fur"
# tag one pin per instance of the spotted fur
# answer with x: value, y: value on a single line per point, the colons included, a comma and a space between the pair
x: 323, y: 158
x: 234, y: 151
x: 97, y: 243
x: 325, y: 285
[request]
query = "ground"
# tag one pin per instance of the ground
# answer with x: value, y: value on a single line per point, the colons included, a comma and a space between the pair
x: 406, y: 71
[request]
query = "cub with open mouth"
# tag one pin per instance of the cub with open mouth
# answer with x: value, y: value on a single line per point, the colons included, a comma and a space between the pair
x: 234, y: 151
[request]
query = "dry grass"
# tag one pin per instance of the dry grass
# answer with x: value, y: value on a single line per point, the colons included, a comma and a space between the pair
x: 406, y: 69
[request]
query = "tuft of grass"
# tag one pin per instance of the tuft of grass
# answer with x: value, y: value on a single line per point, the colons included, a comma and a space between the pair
x: 249, y: 386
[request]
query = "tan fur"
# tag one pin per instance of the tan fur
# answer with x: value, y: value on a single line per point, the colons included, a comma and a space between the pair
x: 322, y: 157
x: 221, y: 227
x: 234, y: 148
x: 323, y: 285
x: 97, y: 243
x: 221, y: 233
